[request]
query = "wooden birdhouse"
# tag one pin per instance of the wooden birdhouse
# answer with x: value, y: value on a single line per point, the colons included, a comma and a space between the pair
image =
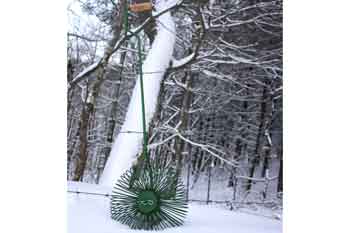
x: 140, y: 5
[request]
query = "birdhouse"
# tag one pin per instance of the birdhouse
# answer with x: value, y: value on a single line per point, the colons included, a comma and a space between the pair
x: 140, y: 6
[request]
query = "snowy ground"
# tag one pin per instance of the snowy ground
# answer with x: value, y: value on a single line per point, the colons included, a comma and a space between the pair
x: 90, y: 214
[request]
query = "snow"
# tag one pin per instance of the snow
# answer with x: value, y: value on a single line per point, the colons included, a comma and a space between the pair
x: 90, y: 214
x: 183, y: 61
x: 86, y: 187
x: 87, y: 70
x: 127, y: 146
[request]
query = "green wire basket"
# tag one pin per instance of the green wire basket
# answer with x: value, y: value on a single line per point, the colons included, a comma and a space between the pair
x: 148, y: 197
x: 154, y: 200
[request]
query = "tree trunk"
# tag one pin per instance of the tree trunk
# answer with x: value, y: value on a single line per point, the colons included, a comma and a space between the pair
x: 126, y: 147
x: 265, y: 118
x: 184, y: 117
x: 89, y: 103
x: 265, y: 163
x: 280, y: 177
x: 83, y: 154
x: 209, y: 182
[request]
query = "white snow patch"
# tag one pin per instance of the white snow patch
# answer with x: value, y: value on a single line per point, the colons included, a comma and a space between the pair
x: 183, y: 61
x: 85, y: 71
x: 86, y: 187
x: 90, y: 214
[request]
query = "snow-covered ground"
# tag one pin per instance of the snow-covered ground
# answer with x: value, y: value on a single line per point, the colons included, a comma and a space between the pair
x: 90, y: 214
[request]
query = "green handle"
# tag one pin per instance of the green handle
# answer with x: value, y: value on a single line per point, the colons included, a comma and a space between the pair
x: 145, y: 134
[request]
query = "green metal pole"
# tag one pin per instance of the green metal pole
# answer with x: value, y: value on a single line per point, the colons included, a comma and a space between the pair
x: 145, y: 134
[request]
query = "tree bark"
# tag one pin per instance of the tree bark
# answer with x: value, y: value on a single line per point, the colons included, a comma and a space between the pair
x: 280, y: 177
x: 184, y: 118
x: 126, y: 147
x: 83, y: 154
x: 89, y: 103
x: 265, y: 118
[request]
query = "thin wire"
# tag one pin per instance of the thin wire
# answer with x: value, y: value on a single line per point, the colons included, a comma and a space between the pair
x: 89, y: 193
x: 151, y: 72
x: 139, y: 132
x: 191, y: 200
x: 130, y: 131
x: 163, y: 71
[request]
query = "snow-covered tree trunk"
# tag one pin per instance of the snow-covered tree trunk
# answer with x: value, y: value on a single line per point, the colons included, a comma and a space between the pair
x: 127, y: 145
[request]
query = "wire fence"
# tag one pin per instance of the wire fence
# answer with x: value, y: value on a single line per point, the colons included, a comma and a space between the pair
x: 107, y: 195
x: 210, y: 198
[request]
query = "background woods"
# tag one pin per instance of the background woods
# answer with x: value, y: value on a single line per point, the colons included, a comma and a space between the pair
x: 219, y: 112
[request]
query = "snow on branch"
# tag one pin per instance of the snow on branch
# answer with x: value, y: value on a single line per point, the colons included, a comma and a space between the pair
x: 89, y: 70
x: 86, y: 72
x: 179, y: 63
x: 208, y: 148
